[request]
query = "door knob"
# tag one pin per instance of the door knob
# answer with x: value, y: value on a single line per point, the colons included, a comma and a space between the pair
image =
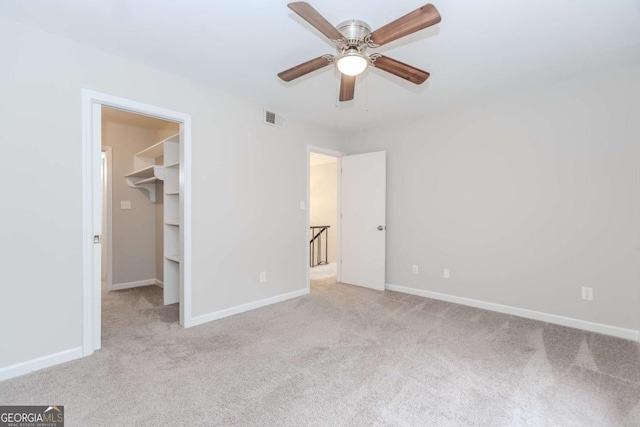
x: 380, y: 228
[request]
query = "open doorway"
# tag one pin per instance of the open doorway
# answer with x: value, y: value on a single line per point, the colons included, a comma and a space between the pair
x: 140, y: 214
x: 324, y: 224
x: 360, y: 227
x: 140, y: 156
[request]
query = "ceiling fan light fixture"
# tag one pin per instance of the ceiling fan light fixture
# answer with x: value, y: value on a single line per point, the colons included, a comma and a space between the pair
x: 352, y: 62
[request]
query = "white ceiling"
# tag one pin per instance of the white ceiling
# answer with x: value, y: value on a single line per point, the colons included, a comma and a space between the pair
x: 481, y: 47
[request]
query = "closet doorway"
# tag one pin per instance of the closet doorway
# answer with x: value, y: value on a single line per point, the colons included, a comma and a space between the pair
x: 143, y: 212
x: 140, y: 156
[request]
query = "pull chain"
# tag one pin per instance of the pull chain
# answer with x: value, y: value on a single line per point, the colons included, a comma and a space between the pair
x: 366, y: 96
x: 337, y: 96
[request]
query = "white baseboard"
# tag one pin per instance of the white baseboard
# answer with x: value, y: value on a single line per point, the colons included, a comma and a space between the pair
x: 629, y: 334
x: 39, y: 363
x: 199, y: 320
x: 129, y: 285
x: 160, y: 283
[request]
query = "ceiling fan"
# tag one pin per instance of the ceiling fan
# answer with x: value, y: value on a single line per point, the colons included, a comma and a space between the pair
x: 352, y: 38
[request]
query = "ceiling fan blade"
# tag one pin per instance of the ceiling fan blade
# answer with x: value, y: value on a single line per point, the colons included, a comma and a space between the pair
x: 400, y: 69
x: 305, y: 68
x: 417, y: 20
x: 309, y: 14
x: 347, y: 87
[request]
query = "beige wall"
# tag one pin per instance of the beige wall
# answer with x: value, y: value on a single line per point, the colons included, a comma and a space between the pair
x: 247, y: 183
x: 323, y: 202
x: 525, y: 199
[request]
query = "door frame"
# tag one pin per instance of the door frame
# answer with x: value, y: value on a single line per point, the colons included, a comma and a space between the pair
x: 108, y: 209
x: 92, y: 208
x: 338, y: 155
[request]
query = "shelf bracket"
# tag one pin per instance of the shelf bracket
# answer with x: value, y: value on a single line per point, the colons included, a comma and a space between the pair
x: 149, y: 187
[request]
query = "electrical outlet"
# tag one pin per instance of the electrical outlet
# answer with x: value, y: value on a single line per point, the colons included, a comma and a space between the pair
x: 414, y: 269
x: 125, y: 204
x: 446, y: 274
x: 587, y: 294
x: 263, y: 276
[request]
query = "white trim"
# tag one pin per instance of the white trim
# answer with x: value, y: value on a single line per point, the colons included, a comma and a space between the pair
x: 91, y: 333
x: 338, y: 155
x: 185, y: 229
x: 159, y: 283
x: 136, y: 284
x: 109, y: 208
x: 87, y: 226
x: 246, y: 307
x: 615, y: 331
x: 339, y: 221
x: 96, y: 194
x: 23, y: 368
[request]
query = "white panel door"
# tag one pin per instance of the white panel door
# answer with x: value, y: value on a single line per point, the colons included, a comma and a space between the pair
x: 364, y: 190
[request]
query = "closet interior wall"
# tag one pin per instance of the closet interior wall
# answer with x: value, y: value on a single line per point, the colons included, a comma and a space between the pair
x: 137, y: 232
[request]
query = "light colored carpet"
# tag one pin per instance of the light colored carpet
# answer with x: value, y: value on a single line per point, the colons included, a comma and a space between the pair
x: 323, y: 272
x: 340, y: 356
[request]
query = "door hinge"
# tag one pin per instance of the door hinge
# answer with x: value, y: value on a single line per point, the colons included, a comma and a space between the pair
x: 97, y: 239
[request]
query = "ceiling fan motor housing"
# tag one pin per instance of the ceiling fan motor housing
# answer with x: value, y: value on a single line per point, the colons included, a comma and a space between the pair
x: 354, y: 33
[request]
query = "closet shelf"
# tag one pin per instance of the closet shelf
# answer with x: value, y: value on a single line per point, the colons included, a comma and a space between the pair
x: 156, y: 150
x: 174, y: 258
x: 175, y: 224
x: 146, y: 178
x: 147, y: 172
x: 153, y: 152
x: 173, y: 165
x: 151, y: 180
x: 173, y: 193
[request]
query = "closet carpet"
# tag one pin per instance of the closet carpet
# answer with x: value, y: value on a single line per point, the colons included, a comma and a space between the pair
x: 341, y: 356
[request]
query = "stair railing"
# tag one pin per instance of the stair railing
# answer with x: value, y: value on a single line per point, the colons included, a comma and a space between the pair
x: 315, y: 245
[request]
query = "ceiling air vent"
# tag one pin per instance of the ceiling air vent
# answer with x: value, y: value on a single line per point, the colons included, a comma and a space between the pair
x: 273, y: 119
